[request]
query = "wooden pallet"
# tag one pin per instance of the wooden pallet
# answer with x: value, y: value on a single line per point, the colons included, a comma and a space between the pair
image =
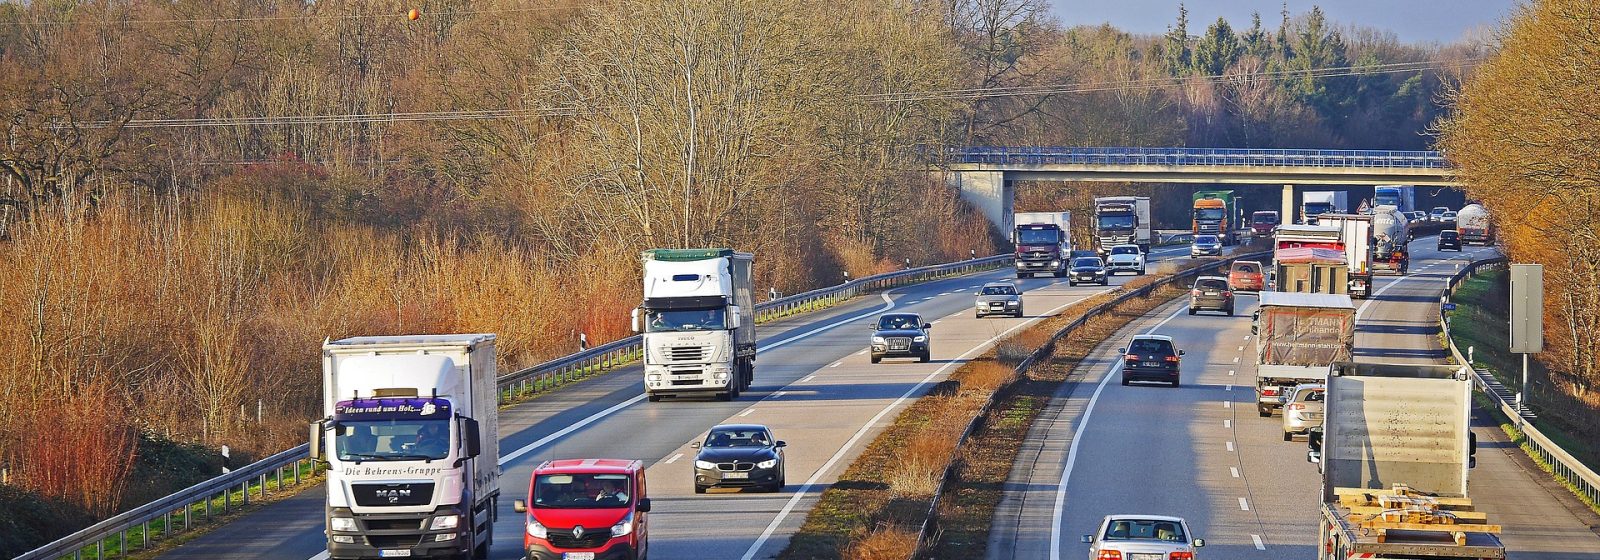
x: 1404, y: 509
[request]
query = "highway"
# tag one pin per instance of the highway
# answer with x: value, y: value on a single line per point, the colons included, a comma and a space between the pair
x: 814, y: 387
x: 1201, y: 452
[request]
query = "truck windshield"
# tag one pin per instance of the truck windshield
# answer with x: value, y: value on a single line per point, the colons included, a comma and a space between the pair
x: 1038, y: 236
x: 1209, y: 213
x: 1124, y: 221
x: 1315, y: 208
x: 671, y: 320
x: 393, y: 440
x: 581, y: 490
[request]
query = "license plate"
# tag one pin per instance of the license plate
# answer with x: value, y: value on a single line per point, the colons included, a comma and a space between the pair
x: 1150, y: 364
x: 735, y: 475
x: 897, y: 347
x: 1211, y: 293
x: 1137, y: 556
x: 997, y: 305
x: 398, y: 553
x: 578, y: 556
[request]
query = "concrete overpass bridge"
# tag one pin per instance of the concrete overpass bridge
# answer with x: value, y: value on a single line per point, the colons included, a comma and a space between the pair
x: 985, y: 175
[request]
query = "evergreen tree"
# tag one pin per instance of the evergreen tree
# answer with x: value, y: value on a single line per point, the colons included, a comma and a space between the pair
x: 1256, y: 42
x: 1175, y: 51
x: 1217, y: 50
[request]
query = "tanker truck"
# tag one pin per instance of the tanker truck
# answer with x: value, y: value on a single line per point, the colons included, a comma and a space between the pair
x: 1390, y: 237
x: 1474, y: 225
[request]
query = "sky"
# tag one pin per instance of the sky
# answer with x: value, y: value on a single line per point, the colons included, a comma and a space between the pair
x: 1413, y: 21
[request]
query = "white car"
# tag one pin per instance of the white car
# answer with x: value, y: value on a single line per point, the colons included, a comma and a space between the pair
x: 1143, y: 537
x: 1125, y: 258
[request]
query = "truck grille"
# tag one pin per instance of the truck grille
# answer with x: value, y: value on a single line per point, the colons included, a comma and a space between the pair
x: 394, y: 524
x: 592, y: 537
x: 687, y: 354
x: 394, y: 541
x: 899, y: 343
x: 1036, y: 256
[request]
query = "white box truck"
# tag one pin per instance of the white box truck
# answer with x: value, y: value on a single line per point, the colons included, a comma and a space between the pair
x: 1355, y: 231
x: 1122, y: 220
x: 411, y: 440
x: 699, y: 324
x: 1316, y: 203
x: 1298, y: 336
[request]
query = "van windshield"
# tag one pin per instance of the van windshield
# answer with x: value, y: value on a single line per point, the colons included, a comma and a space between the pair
x: 581, y: 491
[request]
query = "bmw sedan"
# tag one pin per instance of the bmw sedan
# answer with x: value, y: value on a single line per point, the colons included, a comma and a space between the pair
x: 738, y: 456
x: 1138, y: 537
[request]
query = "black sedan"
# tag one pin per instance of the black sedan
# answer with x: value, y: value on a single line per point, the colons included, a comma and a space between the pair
x: 900, y: 335
x: 1087, y: 270
x: 738, y: 456
x: 1449, y: 239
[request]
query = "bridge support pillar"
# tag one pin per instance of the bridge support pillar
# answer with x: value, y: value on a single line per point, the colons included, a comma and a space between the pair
x: 989, y: 192
x: 1287, y: 215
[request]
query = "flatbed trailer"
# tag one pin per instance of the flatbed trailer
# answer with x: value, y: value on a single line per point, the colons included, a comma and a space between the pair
x: 1402, y: 523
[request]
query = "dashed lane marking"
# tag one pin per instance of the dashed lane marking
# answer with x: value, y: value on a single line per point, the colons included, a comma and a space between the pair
x: 1257, y: 539
x: 1244, y: 505
x: 1234, y: 471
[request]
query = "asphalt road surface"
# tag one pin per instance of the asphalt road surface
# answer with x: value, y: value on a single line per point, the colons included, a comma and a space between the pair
x: 814, y: 387
x: 1201, y: 452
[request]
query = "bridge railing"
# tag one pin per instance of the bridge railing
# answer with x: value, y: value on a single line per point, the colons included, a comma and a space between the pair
x: 1578, y: 477
x: 135, y: 529
x: 1252, y: 157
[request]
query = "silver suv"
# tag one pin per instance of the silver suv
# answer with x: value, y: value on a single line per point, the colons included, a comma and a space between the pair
x: 998, y: 298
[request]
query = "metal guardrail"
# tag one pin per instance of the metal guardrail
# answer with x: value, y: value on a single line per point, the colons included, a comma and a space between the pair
x: 930, y: 518
x: 1563, y: 465
x: 539, y: 378
x: 1196, y: 156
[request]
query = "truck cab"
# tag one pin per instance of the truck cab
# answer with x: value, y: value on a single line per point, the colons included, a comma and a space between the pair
x: 698, y: 320
x: 586, y: 509
x: 1263, y: 223
x: 1043, y: 243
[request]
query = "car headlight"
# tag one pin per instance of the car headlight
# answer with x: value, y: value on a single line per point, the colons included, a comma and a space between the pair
x: 767, y: 464
x: 920, y: 339
x: 708, y: 465
x: 877, y: 340
x: 537, y: 531
x: 342, y: 524
x: 444, y: 522
x: 624, y: 527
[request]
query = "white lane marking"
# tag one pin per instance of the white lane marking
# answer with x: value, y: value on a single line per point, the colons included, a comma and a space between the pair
x: 808, y: 378
x: 1230, y: 372
x: 747, y: 412
x: 1373, y: 298
x: 1236, y: 359
x: 799, y: 494
x: 1241, y: 348
x: 1227, y: 423
x: 1243, y: 505
x: 1230, y: 447
x: 836, y: 364
x: 674, y: 459
x: 320, y: 556
x: 1227, y: 404
x: 1247, y: 337
x: 1259, y: 544
x: 1072, y: 451
x: 778, y: 394
x: 1234, y: 471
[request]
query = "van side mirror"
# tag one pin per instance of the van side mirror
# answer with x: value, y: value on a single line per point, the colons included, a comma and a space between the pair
x: 469, y: 432
x: 316, y: 441
x: 635, y: 320
x: 519, y: 506
x: 1472, y: 450
x: 643, y: 506
x: 733, y: 316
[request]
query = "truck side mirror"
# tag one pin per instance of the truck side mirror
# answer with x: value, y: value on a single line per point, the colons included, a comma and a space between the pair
x: 316, y: 441
x: 643, y: 506
x: 635, y: 317
x: 733, y: 316
x: 1472, y: 450
x: 519, y: 506
x: 469, y: 432
x: 1314, y: 443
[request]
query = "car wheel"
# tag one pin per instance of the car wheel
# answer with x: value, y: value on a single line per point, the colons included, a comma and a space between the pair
x: 1019, y: 313
x: 654, y: 398
x: 1176, y: 383
x: 876, y: 359
x: 976, y: 315
x: 1141, y: 271
x: 698, y: 489
x: 1288, y: 436
x: 1105, y: 281
x: 1124, y: 380
x: 928, y: 355
x: 1265, y: 412
x: 1191, y: 311
x: 1072, y: 282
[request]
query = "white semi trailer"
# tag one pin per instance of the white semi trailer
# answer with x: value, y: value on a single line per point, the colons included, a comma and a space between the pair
x: 699, y: 324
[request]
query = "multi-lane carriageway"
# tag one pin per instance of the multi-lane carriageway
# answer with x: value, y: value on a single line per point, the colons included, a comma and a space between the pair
x: 814, y: 387
x: 1201, y: 451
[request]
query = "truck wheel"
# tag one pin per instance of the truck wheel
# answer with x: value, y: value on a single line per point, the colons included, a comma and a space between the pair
x: 1265, y: 412
x: 1288, y: 436
x: 876, y: 359
x: 1191, y: 311
x: 1230, y: 311
x: 725, y: 396
x: 654, y: 398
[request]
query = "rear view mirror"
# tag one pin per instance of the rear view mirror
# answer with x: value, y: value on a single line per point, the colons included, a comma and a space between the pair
x: 519, y: 506
x: 643, y: 506
x: 469, y: 432
x: 1122, y: 350
x: 781, y: 443
x: 316, y: 441
x: 1086, y: 539
x: 635, y: 319
x: 694, y: 445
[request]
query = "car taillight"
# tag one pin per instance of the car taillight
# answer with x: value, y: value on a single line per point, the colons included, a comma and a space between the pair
x: 1297, y: 406
x: 1181, y: 556
x: 1194, y: 292
x: 1269, y: 392
x: 1172, y: 358
x: 1108, y: 555
x: 1227, y: 293
x: 1131, y: 358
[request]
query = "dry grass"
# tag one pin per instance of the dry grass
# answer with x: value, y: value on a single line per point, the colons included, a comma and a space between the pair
x: 886, y: 542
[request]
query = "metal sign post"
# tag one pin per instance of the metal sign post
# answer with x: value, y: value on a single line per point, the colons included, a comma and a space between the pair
x: 1527, y: 316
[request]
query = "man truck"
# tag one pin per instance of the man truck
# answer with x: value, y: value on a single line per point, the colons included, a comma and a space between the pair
x: 1395, y: 449
x: 1316, y: 203
x: 1474, y: 226
x: 1215, y: 213
x: 699, y: 324
x: 1297, y: 337
x: 1402, y: 197
x: 1355, y: 233
x: 1044, y: 243
x: 410, y: 434
x: 1122, y: 220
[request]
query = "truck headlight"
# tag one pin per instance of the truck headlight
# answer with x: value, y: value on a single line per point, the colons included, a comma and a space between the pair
x: 537, y: 531
x: 707, y: 465
x: 1055, y: 263
x: 653, y: 377
x: 767, y: 464
x: 877, y: 340
x: 342, y: 524
x: 623, y: 528
x: 920, y: 339
x: 445, y: 522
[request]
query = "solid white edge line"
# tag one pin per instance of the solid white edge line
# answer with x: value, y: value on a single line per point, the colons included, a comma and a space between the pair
x: 674, y: 459
x: 799, y: 494
x: 1072, y: 451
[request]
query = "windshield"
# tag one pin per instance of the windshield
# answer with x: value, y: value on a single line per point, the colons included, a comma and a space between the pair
x: 1247, y: 268
x: 898, y: 322
x: 1313, y: 208
x: 1116, y: 222
x: 1124, y: 250
x: 581, y: 491
x: 1447, y: 234
x: 1150, y: 346
x: 392, y: 440
x: 1090, y: 262
x: 1211, y: 284
x: 1265, y: 218
x: 1205, y: 240
x: 750, y: 437
x: 1145, y: 529
x: 999, y: 291
x: 669, y: 320
x: 1209, y: 213
x: 1038, y: 236
x: 1386, y: 198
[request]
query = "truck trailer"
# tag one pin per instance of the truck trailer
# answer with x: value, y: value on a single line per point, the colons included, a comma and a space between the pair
x: 1043, y: 243
x: 699, y: 324
x: 1355, y: 233
x: 1391, y: 239
x: 1122, y: 220
x: 1474, y: 225
x: 410, y: 434
x: 1395, y: 450
x: 1298, y: 336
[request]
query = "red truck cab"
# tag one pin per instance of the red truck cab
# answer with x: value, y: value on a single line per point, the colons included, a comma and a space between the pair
x: 1263, y: 223
x: 586, y: 509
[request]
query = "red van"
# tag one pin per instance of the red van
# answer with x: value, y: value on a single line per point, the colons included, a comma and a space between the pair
x: 586, y: 509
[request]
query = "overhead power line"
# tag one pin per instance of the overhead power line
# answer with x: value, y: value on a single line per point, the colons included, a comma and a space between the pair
x: 297, y: 17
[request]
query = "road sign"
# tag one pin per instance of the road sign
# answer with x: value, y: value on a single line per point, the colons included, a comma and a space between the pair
x: 1449, y: 307
x: 1527, y: 308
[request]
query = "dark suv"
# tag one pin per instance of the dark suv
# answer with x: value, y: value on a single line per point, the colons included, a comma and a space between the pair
x: 900, y: 335
x: 1450, y: 239
x: 1211, y: 293
x: 1150, y: 357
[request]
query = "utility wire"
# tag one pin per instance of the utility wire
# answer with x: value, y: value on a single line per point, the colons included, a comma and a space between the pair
x: 296, y: 17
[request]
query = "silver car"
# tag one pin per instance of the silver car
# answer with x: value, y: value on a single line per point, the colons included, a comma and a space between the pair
x: 1205, y: 245
x: 998, y: 298
x: 1143, y: 537
x: 1302, y: 409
